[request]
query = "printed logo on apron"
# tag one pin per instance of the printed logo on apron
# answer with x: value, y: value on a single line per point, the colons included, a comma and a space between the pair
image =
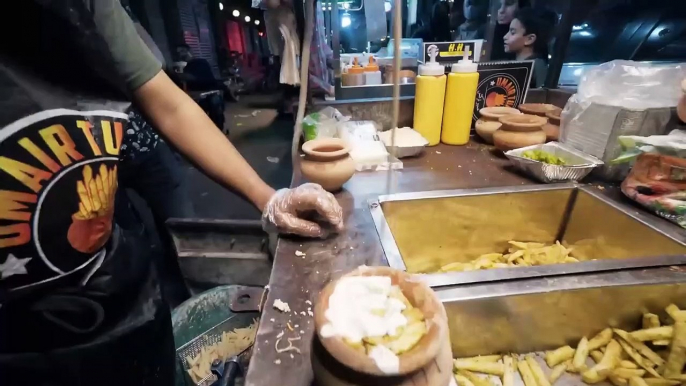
x: 58, y: 178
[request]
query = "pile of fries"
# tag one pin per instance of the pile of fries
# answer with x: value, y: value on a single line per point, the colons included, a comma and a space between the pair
x: 405, y: 338
x: 652, y: 356
x: 520, y: 254
x: 231, y: 343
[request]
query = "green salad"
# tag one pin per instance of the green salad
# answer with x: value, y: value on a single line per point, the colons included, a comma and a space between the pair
x: 543, y: 156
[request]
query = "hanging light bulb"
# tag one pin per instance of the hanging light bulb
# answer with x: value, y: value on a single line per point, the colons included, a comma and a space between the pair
x: 247, y: 19
x: 221, y: 6
x: 257, y: 22
x: 236, y: 13
x: 345, y: 20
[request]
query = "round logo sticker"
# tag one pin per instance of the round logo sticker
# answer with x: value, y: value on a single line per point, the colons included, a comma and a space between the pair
x: 58, y: 179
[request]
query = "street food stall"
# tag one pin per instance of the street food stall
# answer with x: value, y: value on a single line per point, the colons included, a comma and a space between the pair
x: 518, y: 256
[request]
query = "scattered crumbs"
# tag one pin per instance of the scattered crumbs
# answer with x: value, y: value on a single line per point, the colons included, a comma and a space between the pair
x: 281, y: 306
x: 296, y: 326
x: 309, y: 312
x: 302, y: 313
x: 272, y: 320
x: 351, y: 247
x: 280, y: 335
x: 302, y: 332
x: 292, y: 357
x: 446, y: 168
x: 316, y: 271
x: 432, y: 168
x: 277, y: 362
x: 601, y: 187
x: 308, y: 302
x: 289, y: 326
x: 299, y: 254
x: 459, y: 166
x: 438, y: 152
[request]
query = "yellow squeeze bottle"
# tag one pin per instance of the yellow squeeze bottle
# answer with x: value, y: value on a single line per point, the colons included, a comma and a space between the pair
x: 428, y: 100
x: 460, y: 96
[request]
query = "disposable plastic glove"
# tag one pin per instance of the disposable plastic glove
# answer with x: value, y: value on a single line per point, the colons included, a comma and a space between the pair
x: 285, y: 209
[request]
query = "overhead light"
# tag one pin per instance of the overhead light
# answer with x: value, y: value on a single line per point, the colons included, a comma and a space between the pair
x: 387, y: 6
x: 346, y: 5
x: 329, y: 7
x: 323, y: 8
x: 345, y: 20
x: 585, y: 33
x: 247, y: 19
x: 221, y: 6
x: 257, y: 22
x: 236, y: 13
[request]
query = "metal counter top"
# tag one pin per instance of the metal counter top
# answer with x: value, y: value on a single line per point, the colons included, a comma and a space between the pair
x: 297, y: 280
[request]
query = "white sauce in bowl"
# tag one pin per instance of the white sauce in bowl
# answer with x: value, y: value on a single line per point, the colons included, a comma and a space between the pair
x: 360, y: 307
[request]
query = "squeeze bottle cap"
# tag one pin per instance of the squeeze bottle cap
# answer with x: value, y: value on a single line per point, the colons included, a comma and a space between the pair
x: 372, y: 66
x: 355, y: 68
x: 465, y: 65
x: 432, y: 67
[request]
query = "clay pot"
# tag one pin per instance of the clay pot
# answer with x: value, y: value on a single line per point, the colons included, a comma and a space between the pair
x: 335, y: 363
x: 327, y: 162
x: 519, y: 131
x: 681, y: 106
x: 488, y: 122
x: 539, y: 109
x: 552, y: 128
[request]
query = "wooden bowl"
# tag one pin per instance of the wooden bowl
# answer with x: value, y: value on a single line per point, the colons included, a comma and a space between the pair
x: 420, y: 295
x: 522, y: 122
x: 510, y: 140
x: 539, y: 109
x: 494, y: 113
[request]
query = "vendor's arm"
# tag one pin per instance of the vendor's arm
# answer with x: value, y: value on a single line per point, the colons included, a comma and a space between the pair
x: 183, y: 123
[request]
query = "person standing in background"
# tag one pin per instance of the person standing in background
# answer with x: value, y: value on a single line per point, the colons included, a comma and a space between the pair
x: 506, y: 12
x: 476, y: 15
x: 438, y: 28
x: 321, y: 58
x: 528, y: 38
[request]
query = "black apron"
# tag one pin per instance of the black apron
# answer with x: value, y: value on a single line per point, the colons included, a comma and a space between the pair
x: 79, y: 303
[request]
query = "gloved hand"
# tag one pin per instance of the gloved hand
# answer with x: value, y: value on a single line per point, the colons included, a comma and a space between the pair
x: 282, y: 212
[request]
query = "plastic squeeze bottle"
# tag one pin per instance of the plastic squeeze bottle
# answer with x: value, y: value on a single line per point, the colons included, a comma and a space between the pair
x: 372, y: 74
x: 460, y: 96
x: 354, y: 76
x: 428, y: 99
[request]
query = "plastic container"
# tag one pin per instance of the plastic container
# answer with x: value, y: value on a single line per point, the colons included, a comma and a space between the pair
x: 354, y: 76
x: 372, y: 74
x: 429, y: 98
x: 460, y: 96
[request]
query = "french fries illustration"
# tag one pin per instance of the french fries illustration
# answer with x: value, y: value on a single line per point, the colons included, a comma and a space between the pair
x: 92, y: 223
x: 96, y: 192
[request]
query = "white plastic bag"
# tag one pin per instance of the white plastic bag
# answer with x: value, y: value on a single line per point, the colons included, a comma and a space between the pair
x: 620, y: 98
x: 632, y: 85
